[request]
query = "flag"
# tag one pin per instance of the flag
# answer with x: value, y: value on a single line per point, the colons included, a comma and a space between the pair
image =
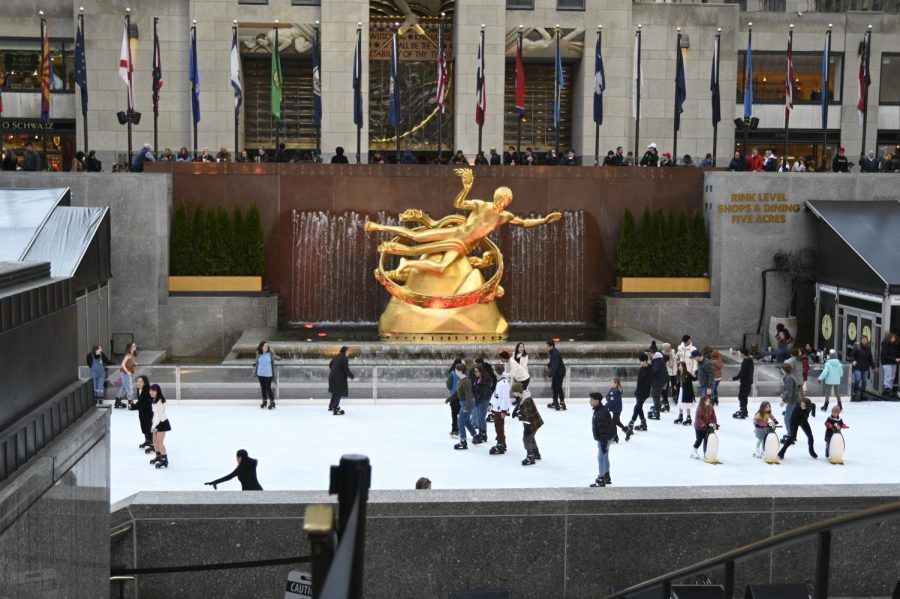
x: 520, y: 81
x: 277, y: 82
x: 680, y: 87
x: 560, y: 83
x: 789, y: 83
x: 480, y: 85
x: 638, y: 78
x: 748, y: 82
x: 81, y: 66
x: 2, y: 83
x: 824, y: 87
x: 157, y: 71
x: 357, y: 81
x: 443, y: 76
x: 864, y: 78
x: 714, y: 86
x: 395, y: 114
x: 236, y: 75
x: 195, y: 78
x: 599, y: 84
x: 46, y: 74
x: 317, y: 80
x: 126, y: 67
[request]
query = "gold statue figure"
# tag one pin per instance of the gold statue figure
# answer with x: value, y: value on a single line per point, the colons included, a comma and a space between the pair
x: 438, y: 287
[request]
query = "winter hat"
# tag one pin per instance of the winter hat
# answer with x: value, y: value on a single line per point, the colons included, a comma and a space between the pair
x: 832, y: 353
x: 667, y: 154
x: 695, y: 353
x: 653, y: 145
x: 841, y: 149
x: 666, y: 347
x: 517, y: 387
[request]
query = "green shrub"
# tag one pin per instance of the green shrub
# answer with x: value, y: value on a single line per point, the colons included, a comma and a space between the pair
x: 238, y: 252
x: 700, y: 245
x: 256, y: 249
x: 221, y: 258
x: 180, y: 243
x: 627, y: 245
x: 196, y: 263
x: 664, y: 245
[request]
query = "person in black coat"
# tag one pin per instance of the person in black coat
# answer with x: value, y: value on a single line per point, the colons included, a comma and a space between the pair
x: 144, y: 407
x: 97, y: 361
x: 245, y: 472
x: 737, y: 163
x: 556, y: 368
x: 338, y: 373
x: 603, y: 429
x: 659, y: 380
x: 799, y: 419
x: 745, y: 378
x: 641, y: 393
x: 862, y: 365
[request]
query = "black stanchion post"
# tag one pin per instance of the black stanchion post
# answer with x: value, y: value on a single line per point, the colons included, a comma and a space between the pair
x: 318, y: 524
x: 350, y: 481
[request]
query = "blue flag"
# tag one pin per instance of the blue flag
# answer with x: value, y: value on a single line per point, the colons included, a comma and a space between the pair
x: 195, y: 78
x: 560, y: 83
x: 748, y: 82
x: 680, y: 88
x: 599, y: 85
x: 395, y: 114
x: 714, y: 86
x: 357, y: 82
x: 825, y: 83
x: 317, y: 81
x: 81, y: 67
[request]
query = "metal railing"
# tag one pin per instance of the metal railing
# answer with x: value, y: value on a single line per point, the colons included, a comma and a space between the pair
x: 822, y: 530
x: 826, y: 6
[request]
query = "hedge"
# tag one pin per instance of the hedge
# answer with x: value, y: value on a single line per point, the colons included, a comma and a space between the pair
x: 663, y: 245
x: 214, y: 243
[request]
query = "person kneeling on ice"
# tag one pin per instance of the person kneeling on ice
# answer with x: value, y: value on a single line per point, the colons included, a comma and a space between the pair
x: 833, y: 424
x: 601, y: 423
x: 763, y: 423
x: 245, y: 473
x: 799, y: 419
x: 466, y: 407
x: 526, y: 411
x: 704, y: 422
x: 500, y: 409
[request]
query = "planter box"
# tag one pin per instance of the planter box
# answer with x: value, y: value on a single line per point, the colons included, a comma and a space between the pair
x: 215, y: 284
x: 663, y: 284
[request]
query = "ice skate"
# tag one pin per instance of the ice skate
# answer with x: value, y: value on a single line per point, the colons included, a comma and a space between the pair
x: 454, y: 432
x: 537, y: 456
x: 146, y: 444
x: 156, y: 459
x: 490, y: 418
x: 528, y: 461
x: 653, y: 415
x: 739, y: 415
x: 678, y: 420
x: 607, y: 479
x: 664, y: 406
x: 162, y: 462
x: 600, y: 482
x: 461, y: 445
x: 119, y: 404
x: 695, y: 455
x: 813, y: 454
x: 562, y: 406
x: 498, y: 449
x: 825, y: 407
x: 335, y: 412
x: 629, y: 432
x: 553, y: 406
x: 641, y: 427
x: 271, y: 404
x: 479, y: 438
x: 262, y: 406
x: 687, y: 421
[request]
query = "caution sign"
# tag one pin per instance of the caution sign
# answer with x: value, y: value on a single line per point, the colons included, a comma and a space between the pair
x: 299, y: 585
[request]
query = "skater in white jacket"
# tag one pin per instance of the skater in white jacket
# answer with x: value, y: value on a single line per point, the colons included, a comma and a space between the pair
x: 500, y: 408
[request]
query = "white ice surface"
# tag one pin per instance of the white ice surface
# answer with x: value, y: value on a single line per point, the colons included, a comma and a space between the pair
x: 296, y: 445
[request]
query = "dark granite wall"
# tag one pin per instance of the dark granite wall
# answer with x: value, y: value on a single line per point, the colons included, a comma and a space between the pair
x: 539, y: 543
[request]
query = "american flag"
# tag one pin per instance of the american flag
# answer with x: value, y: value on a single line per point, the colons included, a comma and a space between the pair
x: 789, y: 84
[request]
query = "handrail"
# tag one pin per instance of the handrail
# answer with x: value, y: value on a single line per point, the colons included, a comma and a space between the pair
x: 727, y: 559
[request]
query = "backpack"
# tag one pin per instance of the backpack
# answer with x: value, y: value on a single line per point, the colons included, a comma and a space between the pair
x: 449, y: 380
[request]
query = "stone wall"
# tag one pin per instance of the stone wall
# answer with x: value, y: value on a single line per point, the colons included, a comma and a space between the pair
x: 54, y: 518
x: 207, y: 326
x: 537, y: 542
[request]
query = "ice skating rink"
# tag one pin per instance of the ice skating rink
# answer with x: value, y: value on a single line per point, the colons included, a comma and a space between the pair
x: 296, y: 445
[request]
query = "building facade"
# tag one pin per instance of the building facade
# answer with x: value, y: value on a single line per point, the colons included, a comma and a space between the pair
x: 335, y: 23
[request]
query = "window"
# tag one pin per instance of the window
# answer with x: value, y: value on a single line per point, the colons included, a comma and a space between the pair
x: 253, y: 1
x: 520, y: 4
x: 769, y: 69
x: 20, y: 61
x: 569, y: 4
x: 890, y: 79
x: 305, y: 2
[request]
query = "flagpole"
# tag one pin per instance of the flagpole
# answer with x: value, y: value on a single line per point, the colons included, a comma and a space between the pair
x: 237, y: 151
x: 718, y: 91
x: 518, y: 116
x: 44, y: 124
x: 596, y: 124
x: 637, y: 112
x: 787, y: 112
x: 484, y: 81
x: 397, y: 86
x: 84, y: 50
x: 746, y: 84
x: 317, y: 50
x: 556, y: 107
x: 155, y: 91
x: 130, y: 114
x: 827, y: 71
x: 676, y: 119
x: 865, y: 92
x: 358, y: 66
x: 194, y: 83
x: 280, y: 102
x: 440, y: 71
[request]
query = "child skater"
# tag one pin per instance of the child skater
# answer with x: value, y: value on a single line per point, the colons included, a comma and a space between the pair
x: 614, y: 405
x: 831, y: 378
x: 704, y: 421
x: 527, y: 412
x: 159, y: 427
x: 763, y: 422
x: 601, y: 424
x: 832, y: 424
x: 685, y: 394
x: 500, y: 409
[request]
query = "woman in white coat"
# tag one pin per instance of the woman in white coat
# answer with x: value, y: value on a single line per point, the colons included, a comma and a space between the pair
x: 517, y: 366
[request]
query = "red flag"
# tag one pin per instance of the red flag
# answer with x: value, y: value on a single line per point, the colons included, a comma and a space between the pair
x: 443, y: 75
x: 480, y: 88
x: 520, y: 81
x: 789, y: 84
x: 45, y: 74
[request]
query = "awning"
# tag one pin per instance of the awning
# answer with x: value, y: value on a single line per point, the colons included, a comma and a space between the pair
x: 22, y: 214
x: 868, y: 233
x: 64, y: 239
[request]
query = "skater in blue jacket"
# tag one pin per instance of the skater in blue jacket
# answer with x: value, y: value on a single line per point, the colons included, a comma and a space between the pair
x: 614, y: 405
x: 831, y: 378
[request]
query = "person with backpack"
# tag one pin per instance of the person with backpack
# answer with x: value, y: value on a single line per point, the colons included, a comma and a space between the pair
x: 601, y: 425
x: 783, y: 340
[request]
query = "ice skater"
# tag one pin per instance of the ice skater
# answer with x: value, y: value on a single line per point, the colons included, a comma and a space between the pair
x: 704, y: 373
x: 159, y: 427
x: 338, y: 386
x: 521, y: 374
x: 671, y: 388
x: 500, y: 409
x: 799, y: 419
x: 245, y: 473
x: 715, y: 359
x: 483, y: 390
x: 745, y: 383
x: 126, y: 376
x: 614, y: 405
x: 556, y: 369
x: 97, y: 361
x: 526, y: 411
x: 704, y: 422
x: 685, y: 394
x: 833, y: 424
x: 641, y: 393
x: 601, y: 423
x: 658, y: 381
x: 144, y: 407
x: 452, y: 399
x: 466, y: 397
x: 264, y: 369
x: 763, y: 423
x: 863, y: 364
x: 790, y: 396
x: 831, y: 379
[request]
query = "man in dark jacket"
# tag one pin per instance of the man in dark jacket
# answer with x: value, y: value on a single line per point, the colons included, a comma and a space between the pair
x: 658, y: 382
x: 737, y: 163
x: 245, y: 472
x: 869, y: 164
x: 745, y: 376
x: 339, y: 157
x: 704, y: 372
x: 556, y: 368
x: 863, y: 363
x: 799, y: 419
x: 840, y: 164
x: 31, y: 160
x: 338, y: 373
x: 602, y: 426
x: 641, y: 393
x: 466, y: 407
x: 494, y: 158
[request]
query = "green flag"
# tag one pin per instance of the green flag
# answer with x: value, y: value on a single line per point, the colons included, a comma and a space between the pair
x: 277, y: 82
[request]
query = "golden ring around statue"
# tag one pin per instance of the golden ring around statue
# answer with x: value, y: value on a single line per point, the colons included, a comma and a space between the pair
x: 487, y: 293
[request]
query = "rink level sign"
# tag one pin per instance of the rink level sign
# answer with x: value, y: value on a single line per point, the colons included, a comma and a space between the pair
x: 298, y: 586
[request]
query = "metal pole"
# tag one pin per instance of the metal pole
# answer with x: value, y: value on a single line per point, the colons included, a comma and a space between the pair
x: 826, y: 97
x: 787, y: 113
x: 43, y: 124
x: 318, y: 51
x: 865, y: 98
x: 675, y: 119
x: 280, y: 102
x: 481, y: 125
x: 397, y: 90
x: 83, y: 108
x: 194, y: 83
x: 637, y: 112
x: 557, y: 108
x: 519, y: 118
x: 155, y: 111
x: 729, y: 579
x: 440, y: 73
x: 719, y: 91
x: 359, y: 67
x: 237, y: 150
x: 130, y: 113
x: 597, y: 125
x: 823, y: 564
x: 746, y: 83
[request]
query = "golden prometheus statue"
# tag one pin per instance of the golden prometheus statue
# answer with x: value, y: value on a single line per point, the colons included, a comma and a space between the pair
x: 438, y: 287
